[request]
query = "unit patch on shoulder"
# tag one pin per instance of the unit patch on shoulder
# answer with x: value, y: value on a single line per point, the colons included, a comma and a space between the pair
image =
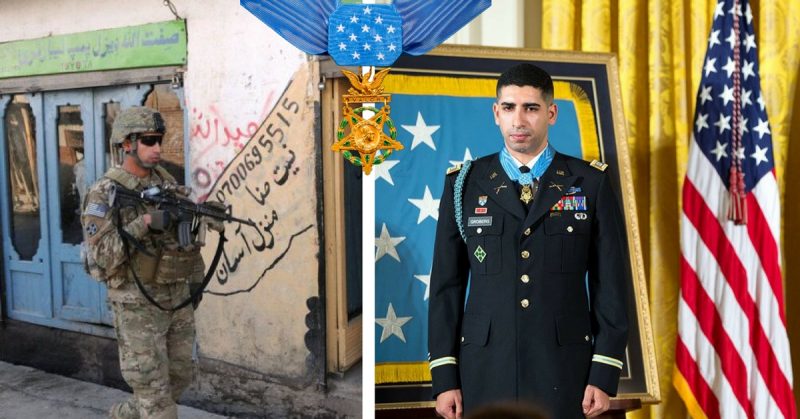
x: 597, y: 164
x: 451, y: 170
x: 91, y: 229
x: 97, y: 210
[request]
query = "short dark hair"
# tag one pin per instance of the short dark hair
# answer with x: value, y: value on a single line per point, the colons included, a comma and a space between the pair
x: 525, y: 74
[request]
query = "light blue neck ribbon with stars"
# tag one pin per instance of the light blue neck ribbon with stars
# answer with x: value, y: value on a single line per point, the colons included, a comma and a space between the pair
x: 513, y: 172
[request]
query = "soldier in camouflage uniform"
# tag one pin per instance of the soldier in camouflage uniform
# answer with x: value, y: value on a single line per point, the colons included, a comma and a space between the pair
x: 155, y: 346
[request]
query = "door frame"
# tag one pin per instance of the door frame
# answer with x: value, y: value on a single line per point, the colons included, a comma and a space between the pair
x: 33, y: 86
x: 344, y: 346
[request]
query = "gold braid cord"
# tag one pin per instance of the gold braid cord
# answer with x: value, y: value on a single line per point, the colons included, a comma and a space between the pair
x: 363, y: 142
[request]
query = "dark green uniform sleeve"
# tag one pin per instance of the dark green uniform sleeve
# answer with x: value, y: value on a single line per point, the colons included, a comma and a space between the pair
x: 447, y: 288
x: 607, y: 291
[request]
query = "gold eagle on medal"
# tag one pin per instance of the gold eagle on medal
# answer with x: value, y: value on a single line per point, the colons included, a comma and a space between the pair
x: 363, y: 85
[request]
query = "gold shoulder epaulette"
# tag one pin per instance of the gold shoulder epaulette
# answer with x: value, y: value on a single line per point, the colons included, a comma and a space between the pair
x: 597, y: 164
x: 451, y: 170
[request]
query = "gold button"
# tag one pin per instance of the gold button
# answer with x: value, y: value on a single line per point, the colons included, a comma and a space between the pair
x: 528, y: 231
x: 585, y: 337
x: 524, y: 303
x: 525, y: 254
x: 569, y: 228
x: 525, y: 279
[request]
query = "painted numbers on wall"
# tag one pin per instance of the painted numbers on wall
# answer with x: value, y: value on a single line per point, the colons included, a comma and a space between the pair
x: 266, y: 183
x: 214, y: 142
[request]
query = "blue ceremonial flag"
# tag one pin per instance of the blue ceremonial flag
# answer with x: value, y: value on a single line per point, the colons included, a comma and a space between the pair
x: 442, y: 121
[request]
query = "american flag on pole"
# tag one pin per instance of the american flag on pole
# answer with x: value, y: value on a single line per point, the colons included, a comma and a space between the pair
x: 732, y: 355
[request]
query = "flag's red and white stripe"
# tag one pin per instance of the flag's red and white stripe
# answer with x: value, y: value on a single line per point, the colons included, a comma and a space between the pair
x: 733, y: 349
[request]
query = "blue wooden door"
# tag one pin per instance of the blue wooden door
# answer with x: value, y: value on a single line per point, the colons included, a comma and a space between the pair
x: 69, y: 125
x: 74, y: 119
x: 106, y: 103
x: 53, y: 147
x: 26, y: 267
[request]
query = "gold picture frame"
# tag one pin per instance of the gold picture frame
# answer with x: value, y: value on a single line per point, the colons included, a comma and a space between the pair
x: 596, y: 81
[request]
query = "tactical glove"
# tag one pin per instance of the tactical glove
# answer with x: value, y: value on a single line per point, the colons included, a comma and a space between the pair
x: 160, y: 221
x: 213, y: 223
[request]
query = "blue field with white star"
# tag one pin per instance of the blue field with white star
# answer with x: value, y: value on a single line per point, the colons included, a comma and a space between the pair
x: 437, y: 132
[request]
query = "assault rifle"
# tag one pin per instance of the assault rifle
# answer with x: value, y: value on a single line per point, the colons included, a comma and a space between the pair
x: 170, y: 198
x: 171, y: 201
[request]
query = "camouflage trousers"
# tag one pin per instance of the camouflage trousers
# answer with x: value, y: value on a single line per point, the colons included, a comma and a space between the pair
x: 155, y: 353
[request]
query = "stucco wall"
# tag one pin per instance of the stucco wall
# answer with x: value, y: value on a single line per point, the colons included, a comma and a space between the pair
x: 263, y: 308
x: 238, y: 70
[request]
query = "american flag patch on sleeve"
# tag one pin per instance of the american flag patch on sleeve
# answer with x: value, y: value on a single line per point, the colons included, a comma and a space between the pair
x: 97, y: 210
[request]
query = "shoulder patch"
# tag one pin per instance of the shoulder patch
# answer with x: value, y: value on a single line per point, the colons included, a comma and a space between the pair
x: 96, y: 209
x: 454, y: 169
x: 597, y: 164
x: 91, y: 229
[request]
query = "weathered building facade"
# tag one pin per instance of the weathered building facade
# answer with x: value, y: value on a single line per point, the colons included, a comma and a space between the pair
x: 242, y: 109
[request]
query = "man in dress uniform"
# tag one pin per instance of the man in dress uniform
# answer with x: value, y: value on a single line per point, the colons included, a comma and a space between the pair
x: 155, y: 345
x: 528, y: 289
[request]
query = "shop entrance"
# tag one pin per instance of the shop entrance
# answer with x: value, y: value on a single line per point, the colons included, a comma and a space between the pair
x: 54, y: 146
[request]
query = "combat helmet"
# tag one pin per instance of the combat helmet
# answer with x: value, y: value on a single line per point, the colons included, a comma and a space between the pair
x: 135, y: 120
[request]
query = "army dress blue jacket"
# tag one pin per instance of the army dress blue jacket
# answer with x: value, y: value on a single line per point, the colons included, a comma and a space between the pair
x: 545, y: 313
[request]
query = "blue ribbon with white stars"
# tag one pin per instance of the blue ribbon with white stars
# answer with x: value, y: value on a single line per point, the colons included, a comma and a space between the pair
x: 327, y: 26
x: 513, y: 172
x: 360, y: 34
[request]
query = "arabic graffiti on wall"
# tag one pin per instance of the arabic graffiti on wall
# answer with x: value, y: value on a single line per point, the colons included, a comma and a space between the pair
x: 253, y: 310
x: 150, y: 45
x: 270, y: 182
x: 213, y: 138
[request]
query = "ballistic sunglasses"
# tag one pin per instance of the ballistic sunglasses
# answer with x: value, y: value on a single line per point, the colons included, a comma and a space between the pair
x: 151, y: 139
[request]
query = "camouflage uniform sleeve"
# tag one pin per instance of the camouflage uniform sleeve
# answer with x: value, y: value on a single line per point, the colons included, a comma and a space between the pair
x: 104, y: 244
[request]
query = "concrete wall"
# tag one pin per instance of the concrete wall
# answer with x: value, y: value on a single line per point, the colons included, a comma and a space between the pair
x: 240, y: 76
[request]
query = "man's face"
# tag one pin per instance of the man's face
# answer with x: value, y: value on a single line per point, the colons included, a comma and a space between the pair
x: 523, y: 116
x: 148, y: 148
